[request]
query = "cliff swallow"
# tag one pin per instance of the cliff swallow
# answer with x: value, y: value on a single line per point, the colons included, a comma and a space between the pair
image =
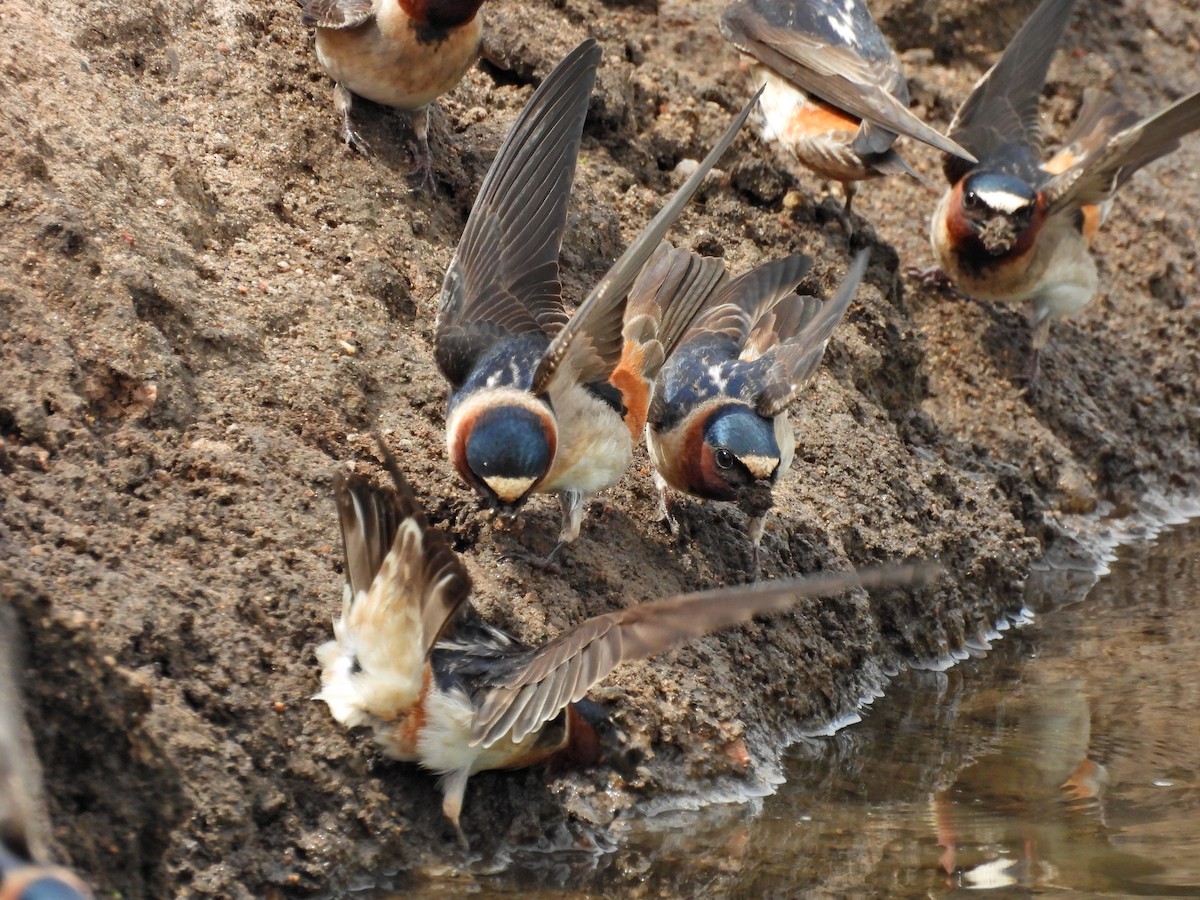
x: 1014, y: 228
x: 835, y: 95
x: 24, y: 872
x: 534, y: 406
x: 414, y: 662
x: 400, y: 53
x: 719, y: 427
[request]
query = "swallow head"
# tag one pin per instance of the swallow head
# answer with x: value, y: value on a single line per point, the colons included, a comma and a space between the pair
x: 441, y: 14
x: 994, y: 213
x: 737, y: 457
x: 502, y: 442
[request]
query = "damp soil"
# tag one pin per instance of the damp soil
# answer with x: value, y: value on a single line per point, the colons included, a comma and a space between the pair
x: 207, y: 303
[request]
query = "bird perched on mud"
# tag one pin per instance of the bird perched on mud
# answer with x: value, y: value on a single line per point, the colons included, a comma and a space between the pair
x: 535, y: 403
x: 400, y: 53
x: 24, y: 872
x: 437, y: 685
x: 1014, y: 228
x: 835, y: 95
x: 718, y: 424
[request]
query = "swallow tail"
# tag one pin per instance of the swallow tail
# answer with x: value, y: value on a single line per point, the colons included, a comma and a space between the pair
x: 802, y: 330
x: 404, y: 585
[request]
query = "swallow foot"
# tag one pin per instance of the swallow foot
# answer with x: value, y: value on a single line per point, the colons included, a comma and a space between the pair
x: 931, y: 278
x: 421, y: 174
x: 355, y: 141
x: 343, y: 101
x: 545, y: 563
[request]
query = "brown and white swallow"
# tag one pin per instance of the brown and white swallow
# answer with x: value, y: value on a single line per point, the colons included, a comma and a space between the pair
x: 436, y: 685
x: 1014, y: 228
x: 399, y: 53
x: 25, y: 872
x: 541, y: 402
x: 718, y: 426
x: 835, y: 95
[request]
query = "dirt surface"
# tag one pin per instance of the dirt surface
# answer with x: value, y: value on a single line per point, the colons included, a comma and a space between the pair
x: 207, y: 302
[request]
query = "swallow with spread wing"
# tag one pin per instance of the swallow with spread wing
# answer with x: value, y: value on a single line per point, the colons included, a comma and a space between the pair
x: 414, y: 662
x: 1014, y: 228
x: 24, y: 872
x: 835, y: 95
x: 399, y: 53
x: 718, y: 424
x: 540, y: 401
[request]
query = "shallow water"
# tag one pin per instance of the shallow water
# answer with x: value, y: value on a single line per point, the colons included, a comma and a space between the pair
x: 1066, y: 759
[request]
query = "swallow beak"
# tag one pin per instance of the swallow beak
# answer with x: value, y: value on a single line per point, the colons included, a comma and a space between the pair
x: 509, y: 491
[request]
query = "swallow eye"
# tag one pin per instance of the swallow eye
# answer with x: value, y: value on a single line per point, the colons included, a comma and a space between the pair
x: 971, y: 200
x: 724, y: 458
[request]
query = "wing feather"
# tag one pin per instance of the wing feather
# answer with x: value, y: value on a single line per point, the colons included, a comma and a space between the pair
x: 1002, y: 109
x: 646, y: 630
x: 863, y: 77
x: 336, y: 13
x: 505, y: 269
x: 1098, y: 175
x: 589, y: 347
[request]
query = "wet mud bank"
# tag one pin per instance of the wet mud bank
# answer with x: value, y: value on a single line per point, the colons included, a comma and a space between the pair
x: 206, y: 304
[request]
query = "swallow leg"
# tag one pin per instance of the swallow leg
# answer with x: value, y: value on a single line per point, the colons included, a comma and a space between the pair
x: 454, y: 786
x: 1041, y: 336
x: 422, y: 170
x: 666, y: 508
x: 755, y: 528
x: 850, y: 189
x: 343, y: 101
x: 572, y: 517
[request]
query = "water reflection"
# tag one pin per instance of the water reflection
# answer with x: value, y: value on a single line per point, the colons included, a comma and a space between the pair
x: 1066, y: 759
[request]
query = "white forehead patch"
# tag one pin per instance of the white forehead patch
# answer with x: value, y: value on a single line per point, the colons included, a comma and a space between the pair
x: 1003, y: 201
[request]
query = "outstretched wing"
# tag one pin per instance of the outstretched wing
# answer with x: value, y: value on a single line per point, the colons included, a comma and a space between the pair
x: 503, y: 278
x: 1098, y: 175
x: 1002, y: 109
x: 836, y: 52
x: 804, y: 335
x: 589, y: 347
x: 543, y: 681
x: 336, y: 13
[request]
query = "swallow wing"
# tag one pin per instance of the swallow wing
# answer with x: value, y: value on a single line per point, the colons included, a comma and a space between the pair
x: 589, y: 347
x: 668, y: 294
x: 732, y: 310
x: 1002, y: 109
x: 336, y: 13
x: 504, y: 275
x: 1098, y: 175
x: 804, y: 329
x: 404, y: 585
x: 837, y: 53
x: 543, y: 681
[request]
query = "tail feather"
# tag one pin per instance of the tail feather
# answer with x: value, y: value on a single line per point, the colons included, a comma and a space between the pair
x: 375, y: 665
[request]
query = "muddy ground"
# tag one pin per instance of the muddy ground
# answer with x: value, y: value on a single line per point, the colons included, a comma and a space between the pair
x: 207, y: 302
